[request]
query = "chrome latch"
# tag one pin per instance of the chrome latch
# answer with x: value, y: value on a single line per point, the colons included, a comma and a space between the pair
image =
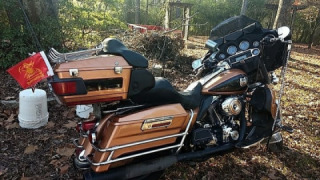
x: 73, y: 72
x: 118, y: 69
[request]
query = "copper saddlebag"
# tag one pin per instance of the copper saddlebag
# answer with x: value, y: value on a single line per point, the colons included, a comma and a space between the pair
x: 99, y: 79
x: 144, y: 132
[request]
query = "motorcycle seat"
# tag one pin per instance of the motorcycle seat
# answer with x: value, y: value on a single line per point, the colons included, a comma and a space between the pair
x: 115, y: 47
x: 164, y: 93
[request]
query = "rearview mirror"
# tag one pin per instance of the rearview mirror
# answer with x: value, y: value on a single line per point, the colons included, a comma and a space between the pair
x: 283, y: 32
x: 213, y: 46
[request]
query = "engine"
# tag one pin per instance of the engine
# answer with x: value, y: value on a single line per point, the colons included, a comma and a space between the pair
x: 220, y: 125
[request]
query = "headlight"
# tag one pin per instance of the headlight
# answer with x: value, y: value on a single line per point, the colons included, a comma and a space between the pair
x: 232, y: 50
x: 244, y: 45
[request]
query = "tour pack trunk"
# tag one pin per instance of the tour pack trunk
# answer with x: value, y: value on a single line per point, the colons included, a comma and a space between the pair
x: 100, y: 79
x: 123, y: 137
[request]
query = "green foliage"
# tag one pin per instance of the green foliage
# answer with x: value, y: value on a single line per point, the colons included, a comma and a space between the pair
x: 86, y: 23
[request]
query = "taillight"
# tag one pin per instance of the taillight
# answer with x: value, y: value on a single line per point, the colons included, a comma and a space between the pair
x: 64, y: 88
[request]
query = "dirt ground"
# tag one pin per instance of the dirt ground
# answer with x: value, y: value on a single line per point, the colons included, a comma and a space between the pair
x: 46, y: 153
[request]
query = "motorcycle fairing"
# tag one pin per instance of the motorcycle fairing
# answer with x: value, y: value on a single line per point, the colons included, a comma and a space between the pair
x: 231, y: 25
x: 164, y: 93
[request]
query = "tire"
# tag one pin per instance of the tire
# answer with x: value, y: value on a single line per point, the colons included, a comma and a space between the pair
x: 276, y: 147
x: 152, y: 176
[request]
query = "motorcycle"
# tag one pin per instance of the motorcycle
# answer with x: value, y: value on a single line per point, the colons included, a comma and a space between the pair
x: 141, y: 125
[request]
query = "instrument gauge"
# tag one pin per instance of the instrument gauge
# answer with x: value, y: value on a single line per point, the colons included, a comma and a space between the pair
x: 256, y: 44
x: 256, y: 52
x: 222, y: 56
x: 232, y: 50
x: 244, y: 45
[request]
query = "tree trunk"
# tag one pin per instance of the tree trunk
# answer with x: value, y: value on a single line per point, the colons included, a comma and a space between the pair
x: 244, y: 7
x: 147, y: 8
x: 186, y: 22
x: 314, y: 28
x: 283, y: 14
x: 167, y: 16
x: 137, y: 12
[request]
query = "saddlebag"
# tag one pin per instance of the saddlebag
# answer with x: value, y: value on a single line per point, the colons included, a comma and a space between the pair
x: 135, y: 134
x: 105, y: 78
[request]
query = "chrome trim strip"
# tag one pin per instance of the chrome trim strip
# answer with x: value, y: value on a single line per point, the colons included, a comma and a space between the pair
x: 123, y: 108
x: 112, y: 149
x: 135, y: 143
x: 76, y: 143
x: 186, y: 132
x: 131, y: 156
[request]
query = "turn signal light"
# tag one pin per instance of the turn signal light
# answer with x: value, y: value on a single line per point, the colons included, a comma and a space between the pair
x: 85, y: 126
x: 64, y: 88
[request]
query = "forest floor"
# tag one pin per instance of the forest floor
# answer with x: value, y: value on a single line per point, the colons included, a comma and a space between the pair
x: 46, y: 153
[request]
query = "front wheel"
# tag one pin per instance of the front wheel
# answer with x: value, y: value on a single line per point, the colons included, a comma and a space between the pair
x: 276, y: 143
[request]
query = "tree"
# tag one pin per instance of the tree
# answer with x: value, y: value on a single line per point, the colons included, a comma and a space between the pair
x: 283, y: 13
x: 137, y: 12
x: 244, y: 7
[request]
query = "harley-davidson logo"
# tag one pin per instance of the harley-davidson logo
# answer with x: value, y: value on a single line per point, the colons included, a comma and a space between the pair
x: 157, y: 122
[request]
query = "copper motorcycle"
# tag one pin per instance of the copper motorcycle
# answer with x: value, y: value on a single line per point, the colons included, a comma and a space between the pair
x: 141, y: 125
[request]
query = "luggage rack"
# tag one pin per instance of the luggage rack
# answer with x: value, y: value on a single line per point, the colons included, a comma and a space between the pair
x: 57, y: 57
x: 113, y: 149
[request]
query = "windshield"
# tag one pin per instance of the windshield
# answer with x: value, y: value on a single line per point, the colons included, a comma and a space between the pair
x: 230, y: 25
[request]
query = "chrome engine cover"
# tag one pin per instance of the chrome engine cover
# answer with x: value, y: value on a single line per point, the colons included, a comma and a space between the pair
x: 231, y: 106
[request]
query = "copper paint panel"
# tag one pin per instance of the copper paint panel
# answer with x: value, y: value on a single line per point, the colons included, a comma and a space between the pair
x: 222, y: 77
x: 127, y: 129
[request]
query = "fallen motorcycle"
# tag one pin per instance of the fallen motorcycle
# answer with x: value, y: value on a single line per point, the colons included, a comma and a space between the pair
x: 141, y: 125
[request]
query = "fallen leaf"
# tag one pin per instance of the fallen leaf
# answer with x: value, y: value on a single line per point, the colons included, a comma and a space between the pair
x: 9, y: 98
x: 71, y: 124
x: 30, y: 149
x: 246, y: 172
x: 27, y: 178
x: 64, y: 169
x: 12, y: 126
x: 65, y: 151
x: 55, y: 162
x: 71, y: 114
x: 11, y: 118
x: 271, y: 174
x: 3, y: 170
x: 7, y: 112
x: 50, y: 125
x: 3, y: 115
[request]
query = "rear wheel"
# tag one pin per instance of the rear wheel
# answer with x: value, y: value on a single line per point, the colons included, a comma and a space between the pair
x: 152, y: 176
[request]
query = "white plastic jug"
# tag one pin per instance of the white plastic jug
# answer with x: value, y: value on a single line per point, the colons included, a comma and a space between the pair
x: 33, y: 108
x: 84, y: 111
